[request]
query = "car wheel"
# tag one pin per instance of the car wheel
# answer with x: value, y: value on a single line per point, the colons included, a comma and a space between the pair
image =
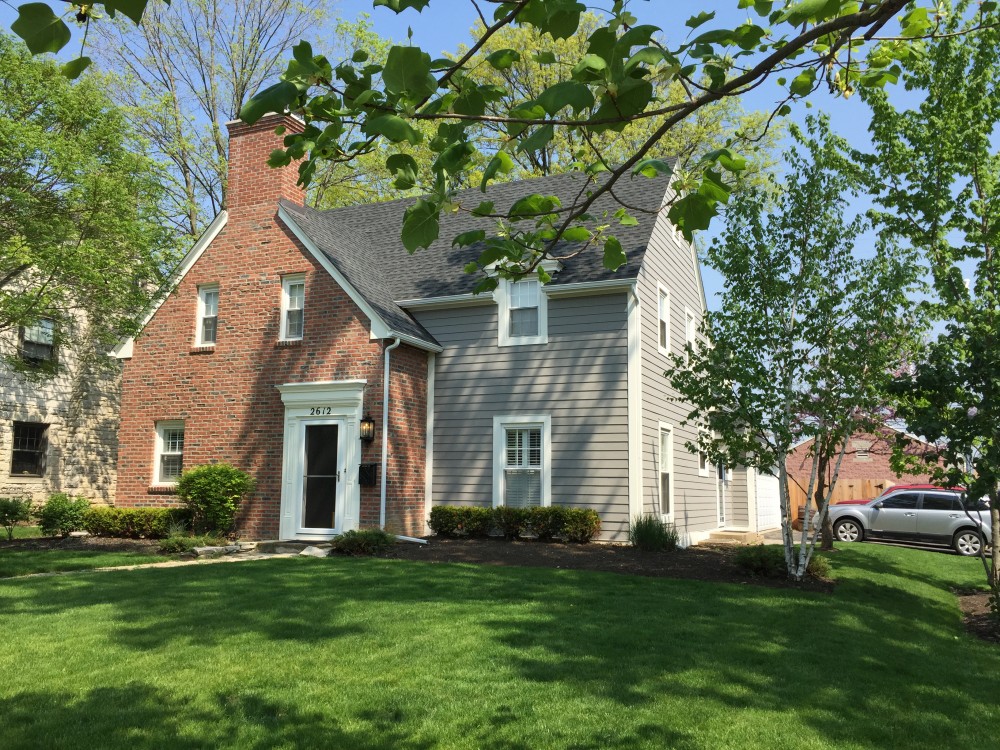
x: 968, y: 542
x: 848, y: 530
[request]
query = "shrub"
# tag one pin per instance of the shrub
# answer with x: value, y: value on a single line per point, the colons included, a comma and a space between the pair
x: 451, y: 520
x: 581, y: 525
x: 547, y: 523
x: 61, y: 514
x: 650, y: 534
x: 363, y: 542
x: 178, y: 544
x: 213, y: 494
x: 511, y: 521
x: 134, y: 523
x: 14, y: 510
x: 769, y: 562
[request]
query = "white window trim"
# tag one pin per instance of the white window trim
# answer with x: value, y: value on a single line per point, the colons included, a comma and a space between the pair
x: 665, y: 427
x: 199, y: 328
x: 162, y: 427
x: 502, y: 296
x: 500, y: 449
x: 707, y: 471
x: 286, y: 282
x: 660, y: 291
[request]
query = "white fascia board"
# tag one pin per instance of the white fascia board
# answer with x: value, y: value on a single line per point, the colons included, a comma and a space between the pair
x: 451, y: 300
x: 379, y: 328
x: 124, y: 348
x: 581, y: 288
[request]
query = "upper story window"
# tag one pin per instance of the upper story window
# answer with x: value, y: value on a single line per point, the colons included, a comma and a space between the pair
x: 523, y: 312
x: 663, y: 313
x: 30, y: 444
x: 208, y: 314
x: 293, y: 302
x: 38, y: 342
x: 690, y: 335
x: 169, y: 452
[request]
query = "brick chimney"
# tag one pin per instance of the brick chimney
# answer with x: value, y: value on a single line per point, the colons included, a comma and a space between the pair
x: 251, y: 182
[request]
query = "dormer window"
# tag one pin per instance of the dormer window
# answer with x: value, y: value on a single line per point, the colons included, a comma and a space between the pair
x: 38, y: 342
x: 293, y: 302
x: 522, y: 312
x: 208, y: 315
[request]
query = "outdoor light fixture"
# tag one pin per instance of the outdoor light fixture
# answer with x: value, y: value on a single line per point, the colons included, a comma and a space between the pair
x: 367, y: 428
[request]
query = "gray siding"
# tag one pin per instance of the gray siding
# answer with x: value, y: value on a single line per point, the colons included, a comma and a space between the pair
x: 579, y: 378
x: 671, y: 263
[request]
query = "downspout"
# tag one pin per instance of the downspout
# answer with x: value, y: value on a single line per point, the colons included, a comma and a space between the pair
x: 385, y: 433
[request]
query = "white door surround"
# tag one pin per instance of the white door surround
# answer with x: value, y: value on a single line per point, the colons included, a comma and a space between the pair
x: 321, y: 403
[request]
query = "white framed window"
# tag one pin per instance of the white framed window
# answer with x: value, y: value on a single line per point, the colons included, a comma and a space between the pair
x: 169, y: 459
x: 666, y: 471
x: 690, y: 335
x: 38, y: 342
x: 663, y: 318
x: 523, y: 312
x: 704, y: 467
x: 208, y: 315
x: 293, y: 303
x: 522, y: 460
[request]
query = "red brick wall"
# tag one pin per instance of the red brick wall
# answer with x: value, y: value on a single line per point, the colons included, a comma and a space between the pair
x: 227, y: 396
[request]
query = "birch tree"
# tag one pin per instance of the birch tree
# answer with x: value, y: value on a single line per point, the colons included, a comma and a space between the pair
x: 808, y: 333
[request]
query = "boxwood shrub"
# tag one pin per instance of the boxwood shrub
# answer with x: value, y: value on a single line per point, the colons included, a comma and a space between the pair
x: 61, y: 514
x: 135, y: 523
x: 570, y: 524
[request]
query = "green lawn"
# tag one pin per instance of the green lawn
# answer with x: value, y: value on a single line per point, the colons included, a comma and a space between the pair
x: 23, y: 532
x: 20, y: 562
x: 345, y: 653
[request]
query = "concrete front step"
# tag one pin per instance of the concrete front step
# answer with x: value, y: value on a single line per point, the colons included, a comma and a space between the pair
x: 280, y: 547
x: 735, y: 537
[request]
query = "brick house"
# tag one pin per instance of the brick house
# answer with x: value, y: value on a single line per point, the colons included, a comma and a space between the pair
x: 289, y: 330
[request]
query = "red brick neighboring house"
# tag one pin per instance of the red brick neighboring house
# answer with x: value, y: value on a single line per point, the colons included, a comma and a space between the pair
x: 864, y: 472
x: 223, y: 400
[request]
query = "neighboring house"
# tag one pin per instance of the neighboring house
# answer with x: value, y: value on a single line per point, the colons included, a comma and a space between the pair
x: 865, y: 471
x: 273, y: 350
x: 58, y: 415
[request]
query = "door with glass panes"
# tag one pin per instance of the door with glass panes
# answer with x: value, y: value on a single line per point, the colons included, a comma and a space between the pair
x: 321, y: 503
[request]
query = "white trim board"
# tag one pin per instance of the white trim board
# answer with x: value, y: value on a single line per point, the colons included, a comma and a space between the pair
x: 634, y: 378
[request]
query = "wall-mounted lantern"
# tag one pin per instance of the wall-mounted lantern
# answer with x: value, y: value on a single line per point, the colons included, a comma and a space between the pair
x: 367, y: 428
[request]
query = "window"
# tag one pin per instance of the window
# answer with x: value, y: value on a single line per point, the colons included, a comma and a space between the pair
x: 666, y: 464
x: 27, y: 458
x: 293, y: 302
x: 38, y: 342
x: 902, y: 500
x: 522, y: 312
x: 861, y: 450
x: 522, y: 450
x: 169, y: 452
x: 663, y: 309
x: 703, y: 466
x: 208, y: 314
x: 941, y: 502
x: 690, y: 335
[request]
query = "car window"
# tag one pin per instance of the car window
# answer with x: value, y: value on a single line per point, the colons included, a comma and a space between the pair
x: 905, y: 500
x: 980, y: 504
x: 940, y: 501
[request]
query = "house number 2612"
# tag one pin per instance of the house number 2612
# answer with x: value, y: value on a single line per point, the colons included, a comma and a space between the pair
x: 320, y: 411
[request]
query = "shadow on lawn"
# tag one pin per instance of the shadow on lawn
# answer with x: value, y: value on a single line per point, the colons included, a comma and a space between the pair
x: 841, y: 664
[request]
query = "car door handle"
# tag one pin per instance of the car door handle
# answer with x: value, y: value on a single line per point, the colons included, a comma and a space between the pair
x: 909, y: 515
x: 955, y: 515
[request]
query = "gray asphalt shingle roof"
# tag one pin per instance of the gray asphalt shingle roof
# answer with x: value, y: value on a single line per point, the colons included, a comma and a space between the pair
x: 363, y: 242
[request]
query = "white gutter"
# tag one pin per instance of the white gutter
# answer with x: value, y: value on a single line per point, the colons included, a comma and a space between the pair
x: 385, y: 432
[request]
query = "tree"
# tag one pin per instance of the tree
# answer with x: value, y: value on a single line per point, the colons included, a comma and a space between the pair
x: 808, y: 333
x: 185, y: 71
x: 803, y: 43
x: 938, y: 185
x: 80, y: 222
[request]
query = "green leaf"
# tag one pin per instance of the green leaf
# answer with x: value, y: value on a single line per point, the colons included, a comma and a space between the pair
x: 590, y: 68
x: 74, y: 68
x: 614, y: 254
x: 469, y: 238
x: 501, y: 162
x: 566, y: 94
x: 131, y: 8
x: 577, y: 234
x: 40, y: 28
x: 421, y: 225
x: 695, y: 21
x: 730, y: 161
x: 395, y: 128
x: 809, y: 10
x: 454, y: 158
x: 408, y: 71
x: 533, y: 205
x: 400, y: 5
x: 483, y: 209
x: 503, y: 59
x: 803, y: 83
x: 645, y: 56
x: 279, y: 158
x: 537, y: 140
x: 692, y: 212
x: 625, y: 218
x: 404, y: 168
x: 652, y: 167
x: 546, y: 57
x: 277, y: 98
x: 359, y: 56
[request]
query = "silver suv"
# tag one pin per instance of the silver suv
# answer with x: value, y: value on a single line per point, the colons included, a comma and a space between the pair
x: 919, y: 514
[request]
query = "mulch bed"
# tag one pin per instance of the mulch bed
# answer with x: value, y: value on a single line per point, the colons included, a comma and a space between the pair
x: 75, y: 543
x: 979, y: 619
x: 703, y: 563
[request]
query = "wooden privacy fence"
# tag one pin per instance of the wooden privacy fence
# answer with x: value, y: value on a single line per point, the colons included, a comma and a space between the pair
x: 847, y: 489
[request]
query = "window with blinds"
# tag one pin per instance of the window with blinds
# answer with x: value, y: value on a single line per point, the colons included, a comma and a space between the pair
x: 523, y: 467
x: 524, y: 303
x: 208, y: 315
x: 169, y: 452
x: 666, y: 470
x: 294, y: 302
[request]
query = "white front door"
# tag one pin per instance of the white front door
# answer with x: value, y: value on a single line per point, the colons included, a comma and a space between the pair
x: 723, y: 474
x: 321, y: 491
